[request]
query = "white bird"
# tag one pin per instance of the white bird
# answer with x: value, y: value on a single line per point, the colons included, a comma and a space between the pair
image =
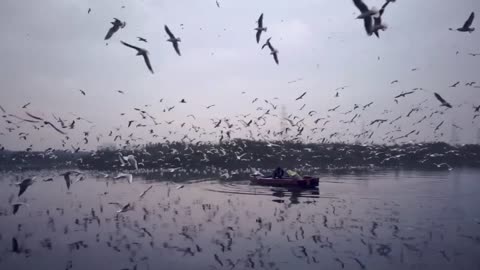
x: 179, y: 186
x: 130, y: 159
x: 366, y: 14
x: 125, y: 175
x: 260, y: 28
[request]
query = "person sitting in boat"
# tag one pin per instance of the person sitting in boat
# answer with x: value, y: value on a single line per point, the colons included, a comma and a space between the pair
x: 278, y: 173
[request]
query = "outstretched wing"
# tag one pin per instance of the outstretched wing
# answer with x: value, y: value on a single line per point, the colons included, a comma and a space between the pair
x: 147, y: 62
x: 169, y: 33
x: 260, y: 21
x: 440, y: 98
x: 177, y: 49
x: 367, y: 22
x: 111, y: 31
x: 54, y: 127
x: 131, y: 46
x: 266, y: 43
x: 259, y: 33
x: 360, y: 5
x: 275, y: 57
x: 469, y: 21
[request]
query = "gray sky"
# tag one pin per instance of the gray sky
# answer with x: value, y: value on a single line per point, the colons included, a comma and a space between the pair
x: 50, y: 49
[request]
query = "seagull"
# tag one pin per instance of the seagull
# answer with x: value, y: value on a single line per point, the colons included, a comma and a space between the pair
x: 142, y: 39
x: 180, y: 186
x: 123, y: 208
x: 273, y: 51
x: 16, y: 206
x: 477, y: 108
x: 125, y: 175
x: 173, y: 39
x: 130, y: 159
x: 26, y: 105
x: 116, y: 25
x: 83, y: 92
x: 467, y: 26
x: 443, y: 101
x: 183, y: 101
x: 66, y: 176
x: 366, y: 14
x: 142, y: 52
x: 301, y: 96
x: 403, y: 94
x: 24, y: 185
x: 89, y: 10
x: 260, y: 28
x: 455, y: 84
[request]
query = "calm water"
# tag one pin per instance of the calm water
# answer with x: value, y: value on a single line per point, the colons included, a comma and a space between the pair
x: 387, y: 220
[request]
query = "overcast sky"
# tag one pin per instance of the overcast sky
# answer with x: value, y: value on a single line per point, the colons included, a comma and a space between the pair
x: 50, y: 49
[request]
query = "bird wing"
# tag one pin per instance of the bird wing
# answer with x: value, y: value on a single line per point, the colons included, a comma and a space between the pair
x: 169, y: 33
x: 111, y: 31
x: 68, y: 182
x: 259, y: 33
x: 15, y: 247
x: 147, y: 62
x: 367, y: 22
x: 33, y: 116
x: 54, y: 127
x: 275, y: 57
x: 177, y: 49
x: 469, y: 21
x: 131, y: 46
x: 145, y: 192
x: 116, y: 203
x: 360, y: 5
x: 440, y: 98
x: 22, y: 190
x: 266, y: 43
x: 130, y: 178
x: 260, y: 21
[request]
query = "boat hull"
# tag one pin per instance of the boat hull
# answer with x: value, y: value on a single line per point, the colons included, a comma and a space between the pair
x: 305, y: 182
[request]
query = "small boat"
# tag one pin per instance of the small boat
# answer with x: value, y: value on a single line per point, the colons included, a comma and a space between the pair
x: 305, y: 182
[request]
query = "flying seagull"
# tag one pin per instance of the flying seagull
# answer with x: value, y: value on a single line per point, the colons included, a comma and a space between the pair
x: 301, y: 96
x: 83, y: 92
x: 24, y: 185
x: 116, y: 25
x: 273, y: 51
x: 455, y: 84
x: 125, y: 175
x: 467, y: 26
x: 142, y: 52
x: 443, y: 101
x: 130, y: 159
x: 123, y: 208
x: 260, y: 28
x: 366, y: 14
x: 173, y: 39
x: 66, y: 176
x: 142, y: 39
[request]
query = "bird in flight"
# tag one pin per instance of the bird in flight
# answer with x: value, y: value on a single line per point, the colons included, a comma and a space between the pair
x: 183, y: 101
x: 24, y: 185
x: 142, y: 39
x: 260, y: 28
x: 125, y: 175
x: 403, y: 94
x: 455, y: 84
x: 443, y: 101
x: 173, y: 39
x: 116, y: 25
x: 467, y: 25
x: 142, y: 52
x: 83, y: 92
x: 301, y: 96
x: 366, y: 14
x: 273, y: 51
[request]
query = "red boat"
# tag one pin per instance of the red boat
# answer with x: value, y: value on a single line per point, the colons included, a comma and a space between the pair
x: 305, y: 182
